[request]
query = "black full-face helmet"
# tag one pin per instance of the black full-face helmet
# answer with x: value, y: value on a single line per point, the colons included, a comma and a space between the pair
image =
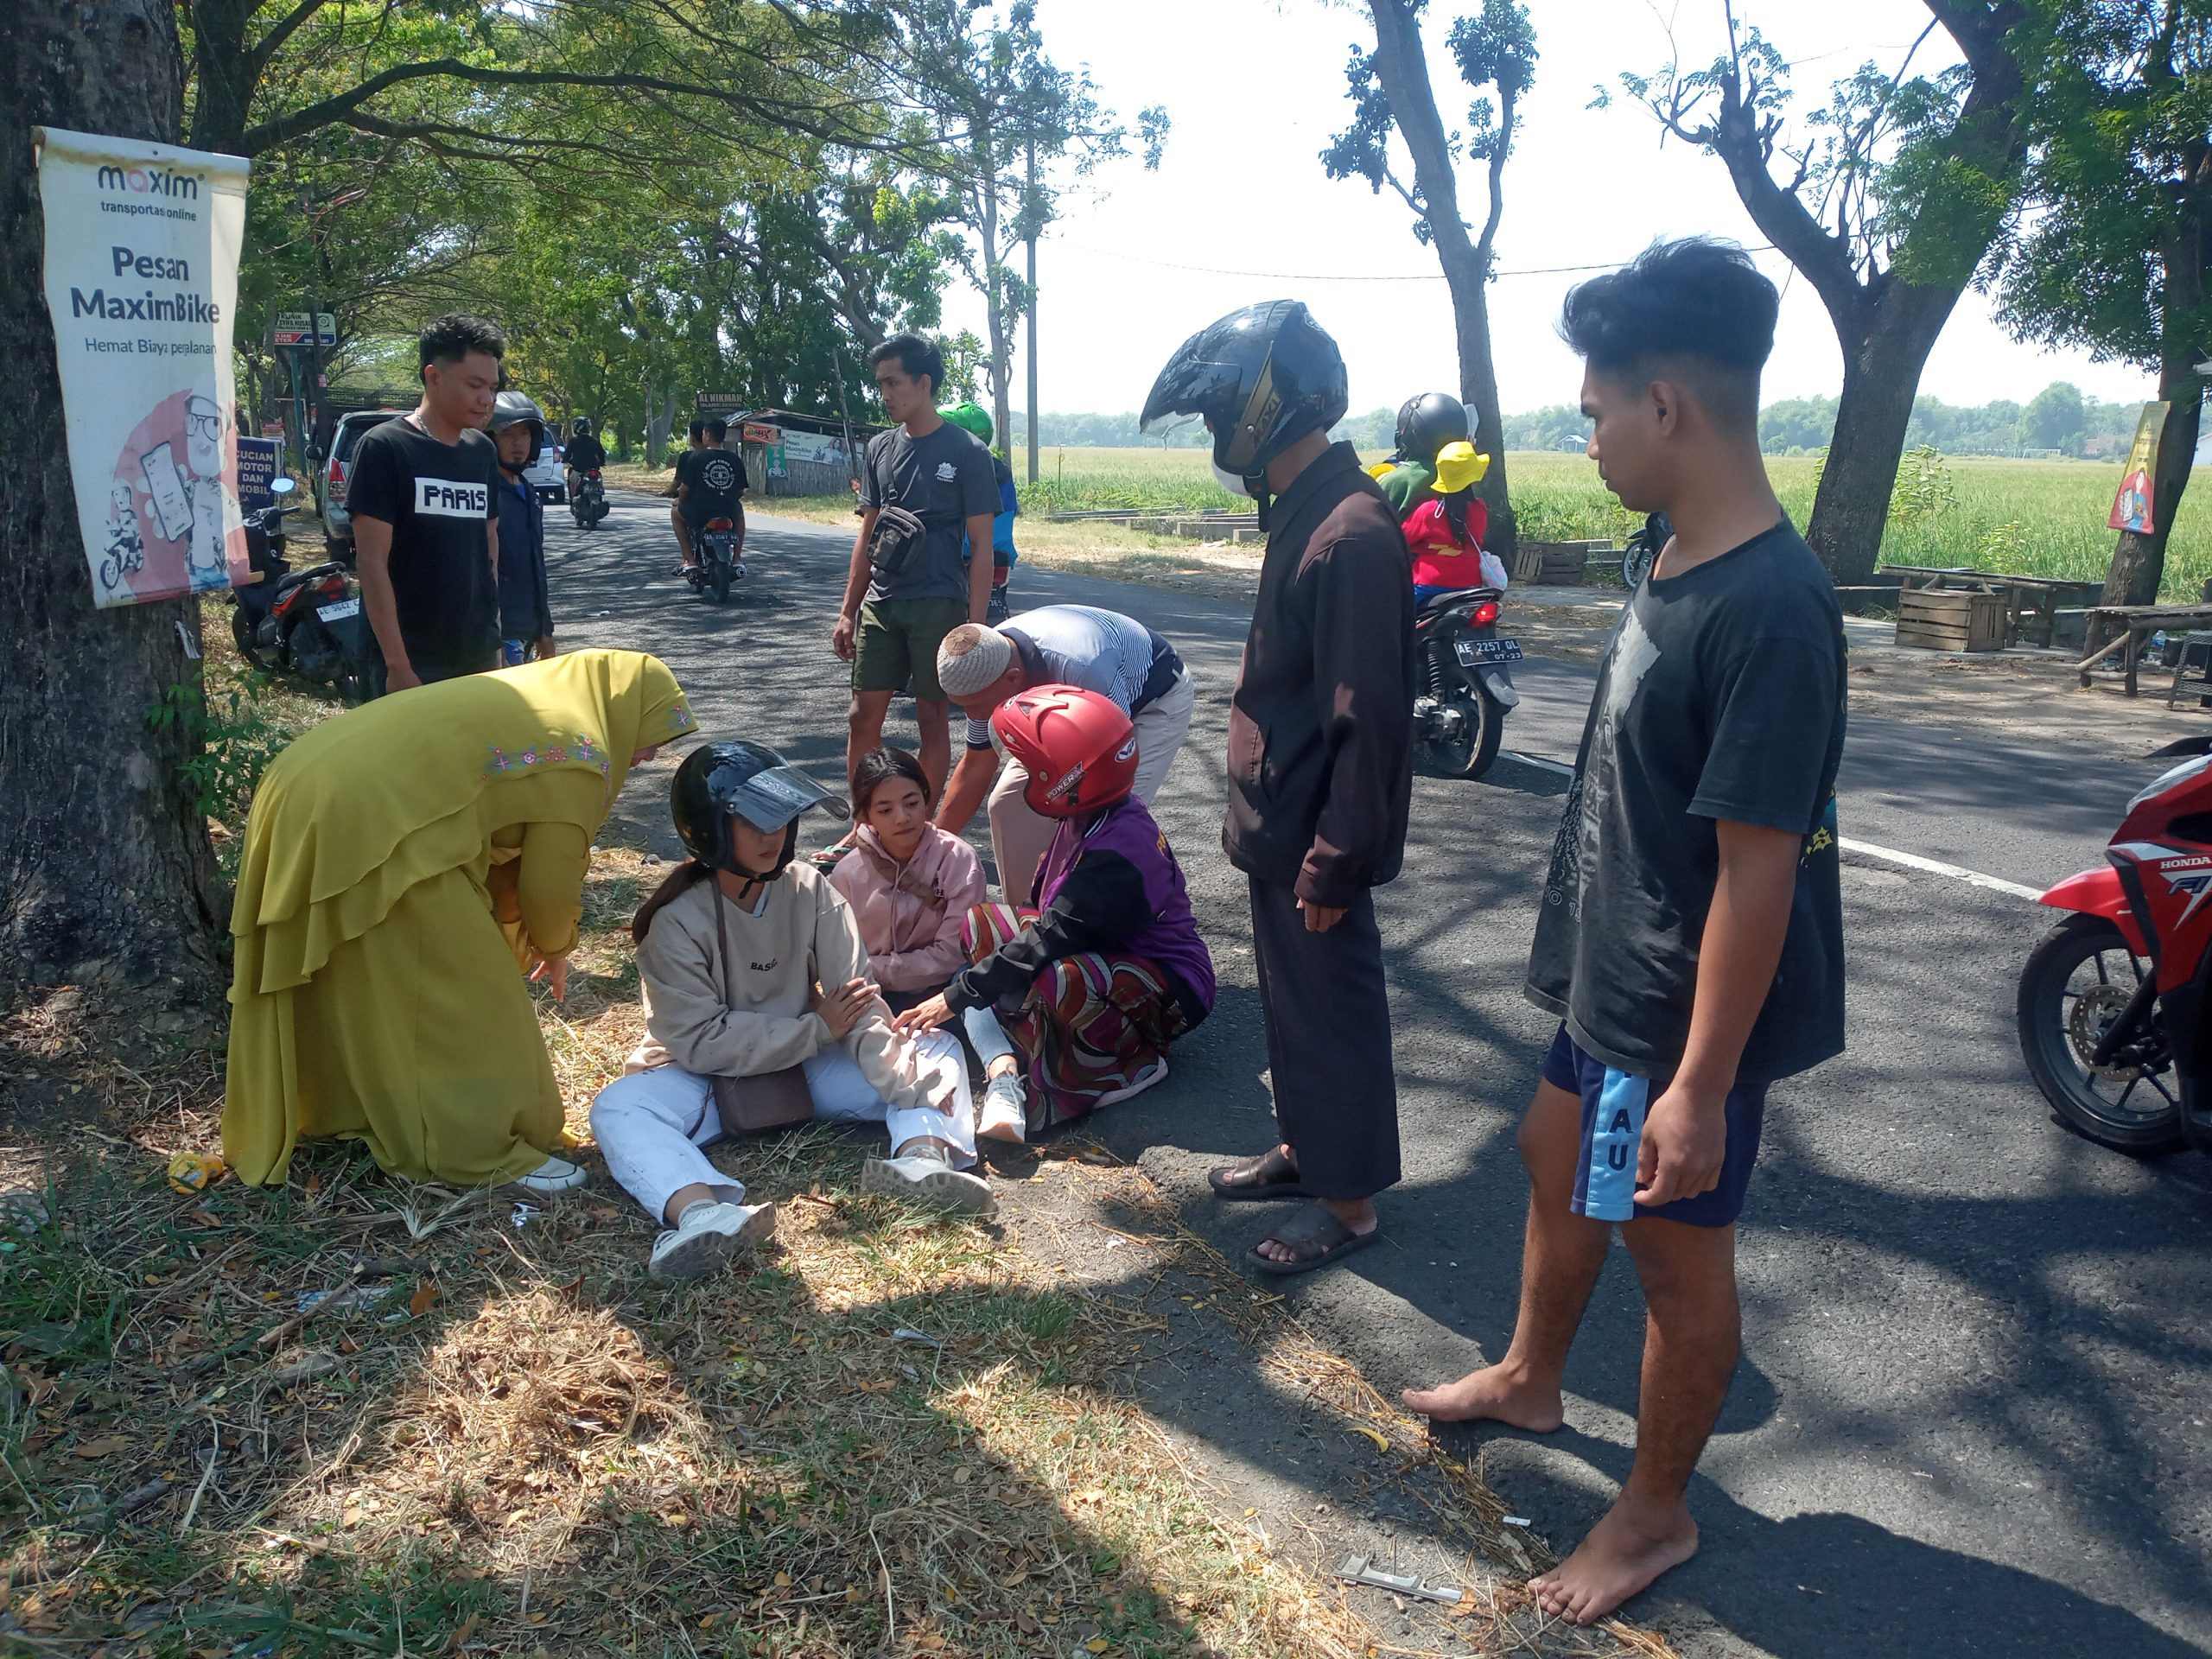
x: 718, y: 781
x: 1429, y: 422
x: 1262, y: 377
x: 581, y: 427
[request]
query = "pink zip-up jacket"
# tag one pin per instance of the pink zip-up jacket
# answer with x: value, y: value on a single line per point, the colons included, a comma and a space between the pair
x: 910, y: 914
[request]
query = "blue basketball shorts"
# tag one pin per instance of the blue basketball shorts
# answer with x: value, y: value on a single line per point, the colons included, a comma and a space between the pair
x: 1613, y: 1106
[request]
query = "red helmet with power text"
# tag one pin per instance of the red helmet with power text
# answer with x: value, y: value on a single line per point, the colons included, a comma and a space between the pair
x: 1078, y: 746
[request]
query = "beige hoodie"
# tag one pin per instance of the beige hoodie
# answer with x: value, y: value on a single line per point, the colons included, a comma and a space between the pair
x: 804, y: 936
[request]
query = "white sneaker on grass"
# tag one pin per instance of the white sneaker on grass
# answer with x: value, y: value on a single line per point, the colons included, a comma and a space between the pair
x: 705, y: 1237
x: 924, y: 1180
x: 1004, y: 1115
x: 554, y: 1175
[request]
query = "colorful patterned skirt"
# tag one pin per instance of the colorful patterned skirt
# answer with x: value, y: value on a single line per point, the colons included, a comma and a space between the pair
x: 1089, y: 1027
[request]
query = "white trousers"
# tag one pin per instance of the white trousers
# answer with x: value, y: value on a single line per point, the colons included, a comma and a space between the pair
x: 1019, y: 836
x: 651, y: 1125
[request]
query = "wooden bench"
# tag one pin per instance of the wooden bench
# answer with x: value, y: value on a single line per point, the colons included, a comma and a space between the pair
x: 2131, y: 625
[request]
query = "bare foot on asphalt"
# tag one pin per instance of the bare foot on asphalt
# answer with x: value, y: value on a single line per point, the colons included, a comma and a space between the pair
x: 1625, y: 1551
x: 1493, y: 1394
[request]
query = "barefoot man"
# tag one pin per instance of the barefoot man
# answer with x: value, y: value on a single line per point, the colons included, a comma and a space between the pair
x: 1691, y: 937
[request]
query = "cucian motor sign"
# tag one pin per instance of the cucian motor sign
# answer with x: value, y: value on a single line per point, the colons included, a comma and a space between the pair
x: 142, y: 276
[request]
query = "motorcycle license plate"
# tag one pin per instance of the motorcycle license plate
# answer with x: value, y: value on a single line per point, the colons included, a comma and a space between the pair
x: 340, y: 611
x: 1471, y: 652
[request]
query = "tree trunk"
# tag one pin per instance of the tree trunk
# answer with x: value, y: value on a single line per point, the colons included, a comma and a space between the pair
x: 1885, y: 339
x: 1401, y: 67
x: 2138, y: 563
x: 105, y: 866
x: 224, y: 74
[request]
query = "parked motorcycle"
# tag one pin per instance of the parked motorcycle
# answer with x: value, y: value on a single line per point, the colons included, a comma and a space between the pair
x: 587, y: 502
x: 719, y: 564
x: 2111, y: 1002
x: 303, y: 622
x: 1466, y: 689
x: 1643, y: 550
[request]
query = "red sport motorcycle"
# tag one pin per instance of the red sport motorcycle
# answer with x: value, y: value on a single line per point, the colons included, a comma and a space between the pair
x: 2112, y: 1002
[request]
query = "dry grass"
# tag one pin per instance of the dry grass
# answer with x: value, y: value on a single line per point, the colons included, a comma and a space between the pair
x: 355, y: 1416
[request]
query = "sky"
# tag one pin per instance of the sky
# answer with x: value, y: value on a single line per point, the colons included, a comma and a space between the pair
x: 1255, y: 89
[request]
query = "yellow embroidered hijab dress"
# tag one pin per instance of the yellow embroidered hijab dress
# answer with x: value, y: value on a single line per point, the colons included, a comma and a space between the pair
x: 403, y: 862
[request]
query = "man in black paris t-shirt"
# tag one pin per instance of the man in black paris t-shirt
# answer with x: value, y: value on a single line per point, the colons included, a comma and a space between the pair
x: 425, y: 501
x: 1690, y: 939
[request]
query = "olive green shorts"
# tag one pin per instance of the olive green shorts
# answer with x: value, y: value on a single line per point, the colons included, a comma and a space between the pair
x: 899, y: 637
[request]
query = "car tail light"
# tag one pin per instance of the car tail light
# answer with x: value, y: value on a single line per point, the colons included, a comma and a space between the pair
x: 337, y: 478
x: 1486, y: 613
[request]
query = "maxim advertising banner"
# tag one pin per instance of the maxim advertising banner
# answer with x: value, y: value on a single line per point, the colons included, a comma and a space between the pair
x: 142, y: 276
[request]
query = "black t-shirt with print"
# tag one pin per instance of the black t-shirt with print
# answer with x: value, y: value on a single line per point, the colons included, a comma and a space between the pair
x: 437, y: 497
x: 1721, y: 696
x: 944, y: 480
x: 716, y: 479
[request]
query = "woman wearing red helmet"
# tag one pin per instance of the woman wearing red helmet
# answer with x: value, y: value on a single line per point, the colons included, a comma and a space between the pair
x: 1085, y: 991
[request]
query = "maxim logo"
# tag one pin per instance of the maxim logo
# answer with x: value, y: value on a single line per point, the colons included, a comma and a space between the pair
x: 150, y: 181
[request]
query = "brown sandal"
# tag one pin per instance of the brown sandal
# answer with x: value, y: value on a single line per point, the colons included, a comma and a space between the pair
x: 1269, y: 1175
x: 1316, y: 1238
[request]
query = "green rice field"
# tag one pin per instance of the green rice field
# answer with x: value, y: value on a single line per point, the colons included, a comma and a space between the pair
x: 2027, y: 518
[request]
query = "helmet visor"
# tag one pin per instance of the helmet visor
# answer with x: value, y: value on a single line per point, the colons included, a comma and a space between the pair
x: 1194, y: 383
x: 770, y: 800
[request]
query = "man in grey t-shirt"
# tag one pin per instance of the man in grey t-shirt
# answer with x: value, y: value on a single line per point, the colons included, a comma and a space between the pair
x: 903, y: 596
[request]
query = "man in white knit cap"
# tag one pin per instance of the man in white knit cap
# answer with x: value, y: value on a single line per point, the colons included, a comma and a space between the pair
x: 1101, y: 650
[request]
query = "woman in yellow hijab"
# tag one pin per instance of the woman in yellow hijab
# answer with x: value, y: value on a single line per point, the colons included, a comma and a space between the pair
x: 403, y: 862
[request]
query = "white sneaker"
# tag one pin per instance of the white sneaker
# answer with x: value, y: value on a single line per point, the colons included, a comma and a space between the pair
x: 928, y: 1181
x: 554, y: 1175
x: 1003, y: 1115
x: 706, y: 1235
x: 1156, y: 1072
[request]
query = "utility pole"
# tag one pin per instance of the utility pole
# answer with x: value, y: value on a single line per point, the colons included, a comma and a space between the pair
x: 1030, y: 209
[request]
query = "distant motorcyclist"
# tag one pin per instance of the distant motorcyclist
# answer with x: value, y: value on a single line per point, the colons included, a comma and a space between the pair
x: 585, y: 453
x: 1426, y: 424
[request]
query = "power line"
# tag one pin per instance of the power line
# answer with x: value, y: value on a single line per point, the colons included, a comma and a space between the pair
x: 1332, y: 276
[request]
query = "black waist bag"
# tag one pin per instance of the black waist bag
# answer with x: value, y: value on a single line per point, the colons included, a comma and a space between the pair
x: 898, y: 538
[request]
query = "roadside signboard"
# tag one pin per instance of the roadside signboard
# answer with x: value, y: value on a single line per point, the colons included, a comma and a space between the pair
x: 143, y: 334
x: 707, y: 404
x: 292, y: 329
x: 258, y: 460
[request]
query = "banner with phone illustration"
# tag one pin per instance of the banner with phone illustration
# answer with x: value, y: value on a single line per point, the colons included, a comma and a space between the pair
x: 141, y: 277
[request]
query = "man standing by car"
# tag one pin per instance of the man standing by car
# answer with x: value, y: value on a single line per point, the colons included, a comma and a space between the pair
x: 1691, y: 935
x: 425, y: 503
x: 1104, y: 651
x: 922, y: 560
x: 1320, y: 769
x: 709, y: 485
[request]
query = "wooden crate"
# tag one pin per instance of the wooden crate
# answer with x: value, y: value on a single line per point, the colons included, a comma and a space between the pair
x: 1943, y: 619
x: 1550, y: 563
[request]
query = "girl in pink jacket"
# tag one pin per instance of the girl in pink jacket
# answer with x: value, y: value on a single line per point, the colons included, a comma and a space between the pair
x: 910, y: 884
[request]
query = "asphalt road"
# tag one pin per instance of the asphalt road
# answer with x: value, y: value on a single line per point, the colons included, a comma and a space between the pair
x: 1975, y: 1412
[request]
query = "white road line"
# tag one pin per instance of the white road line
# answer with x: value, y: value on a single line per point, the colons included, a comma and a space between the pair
x: 1936, y: 866
x: 1867, y: 849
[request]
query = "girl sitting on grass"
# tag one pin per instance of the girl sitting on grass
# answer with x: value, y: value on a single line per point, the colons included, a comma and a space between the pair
x: 910, y: 884
x: 753, y: 973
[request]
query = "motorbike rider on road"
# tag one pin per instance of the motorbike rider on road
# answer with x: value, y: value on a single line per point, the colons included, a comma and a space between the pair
x: 1426, y: 424
x: 585, y: 453
x: 710, y: 484
x: 518, y: 431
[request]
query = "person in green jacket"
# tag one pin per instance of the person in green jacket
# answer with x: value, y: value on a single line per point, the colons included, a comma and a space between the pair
x: 1426, y: 424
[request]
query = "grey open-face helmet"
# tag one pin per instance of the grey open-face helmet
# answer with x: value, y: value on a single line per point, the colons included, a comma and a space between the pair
x: 718, y: 781
x: 510, y: 407
x: 1262, y: 377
